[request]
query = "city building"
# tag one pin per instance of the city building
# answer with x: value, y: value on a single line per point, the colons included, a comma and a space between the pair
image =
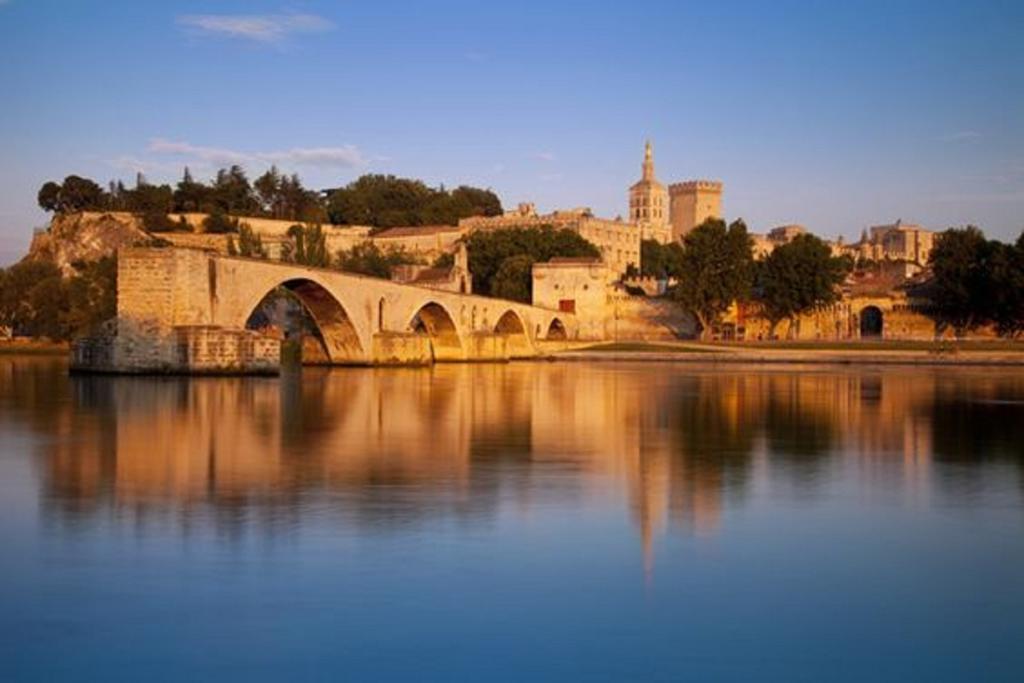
x: 897, y: 241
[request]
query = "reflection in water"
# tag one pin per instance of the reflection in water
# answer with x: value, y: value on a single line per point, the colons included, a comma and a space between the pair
x: 390, y: 448
x: 496, y: 522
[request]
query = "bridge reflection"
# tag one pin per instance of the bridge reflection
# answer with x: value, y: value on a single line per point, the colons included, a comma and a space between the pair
x: 389, y: 449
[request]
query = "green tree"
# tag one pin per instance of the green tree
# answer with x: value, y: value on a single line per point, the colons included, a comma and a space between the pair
x: 367, y: 258
x: 49, y: 196
x: 385, y: 201
x: 189, y: 195
x: 92, y: 295
x: 232, y: 193
x: 1004, y: 272
x: 81, y: 194
x: 33, y: 299
x: 716, y: 270
x: 960, y: 286
x: 250, y: 244
x: 514, y: 279
x: 219, y: 223
x: 308, y: 246
x: 488, y: 250
x: 661, y: 260
x: 798, y: 277
x: 268, y: 192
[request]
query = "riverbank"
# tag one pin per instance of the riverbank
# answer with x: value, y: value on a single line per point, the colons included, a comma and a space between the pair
x: 36, y: 348
x: 970, y: 353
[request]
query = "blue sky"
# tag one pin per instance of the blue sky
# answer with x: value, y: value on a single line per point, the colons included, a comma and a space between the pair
x: 834, y: 115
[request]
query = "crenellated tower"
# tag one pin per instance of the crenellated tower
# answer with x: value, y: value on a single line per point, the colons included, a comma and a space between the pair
x: 692, y: 203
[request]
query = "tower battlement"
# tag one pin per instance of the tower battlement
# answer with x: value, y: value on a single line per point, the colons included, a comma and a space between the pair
x: 695, y: 185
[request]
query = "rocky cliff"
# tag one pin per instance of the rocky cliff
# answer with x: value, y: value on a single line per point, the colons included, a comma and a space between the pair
x: 86, y: 237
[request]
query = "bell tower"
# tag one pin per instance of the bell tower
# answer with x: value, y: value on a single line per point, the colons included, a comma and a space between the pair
x: 648, y: 202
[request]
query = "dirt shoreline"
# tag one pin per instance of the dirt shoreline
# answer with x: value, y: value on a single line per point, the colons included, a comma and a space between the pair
x: 33, y: 348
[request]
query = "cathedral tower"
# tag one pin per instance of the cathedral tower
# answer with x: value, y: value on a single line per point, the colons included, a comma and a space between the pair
x: 648, y: 203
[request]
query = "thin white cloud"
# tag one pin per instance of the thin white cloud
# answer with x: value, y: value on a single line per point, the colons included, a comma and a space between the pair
x: 347, y: 156
x: 261, y: 28
x: 961, y: 136
x: 544, y: 156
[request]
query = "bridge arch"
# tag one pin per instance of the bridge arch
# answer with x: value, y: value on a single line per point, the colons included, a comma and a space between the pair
x: 435, y: 321
x: 511, y: 325
x: 338, y: 335
x: 556, y: 331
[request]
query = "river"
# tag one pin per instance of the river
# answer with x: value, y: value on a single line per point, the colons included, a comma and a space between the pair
x: 526, y: 521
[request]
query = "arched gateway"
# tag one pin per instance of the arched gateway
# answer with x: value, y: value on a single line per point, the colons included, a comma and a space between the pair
x: 871, y: 322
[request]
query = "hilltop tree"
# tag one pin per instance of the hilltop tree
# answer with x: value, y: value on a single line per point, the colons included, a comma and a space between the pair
x: 716, y: 270
x: 798, y: 277
x: 80, y: 194
x: 76, y: 194
x: 268, y: 192
x: 385, y: 201
x: 49, y: 196
x: 190, y: 196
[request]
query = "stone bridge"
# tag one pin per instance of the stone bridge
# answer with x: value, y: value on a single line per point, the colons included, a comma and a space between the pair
x: 187, y: 310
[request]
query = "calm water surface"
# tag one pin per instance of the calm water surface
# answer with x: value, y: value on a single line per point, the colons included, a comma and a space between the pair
x: 513, y: 522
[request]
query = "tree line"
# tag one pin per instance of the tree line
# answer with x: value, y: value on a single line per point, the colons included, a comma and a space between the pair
x: 974, y: 281
x: 36, y: 300
x: 714, y: 268
x: 379, y: 201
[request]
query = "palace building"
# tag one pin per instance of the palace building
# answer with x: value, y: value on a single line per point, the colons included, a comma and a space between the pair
x: 666, y: 215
